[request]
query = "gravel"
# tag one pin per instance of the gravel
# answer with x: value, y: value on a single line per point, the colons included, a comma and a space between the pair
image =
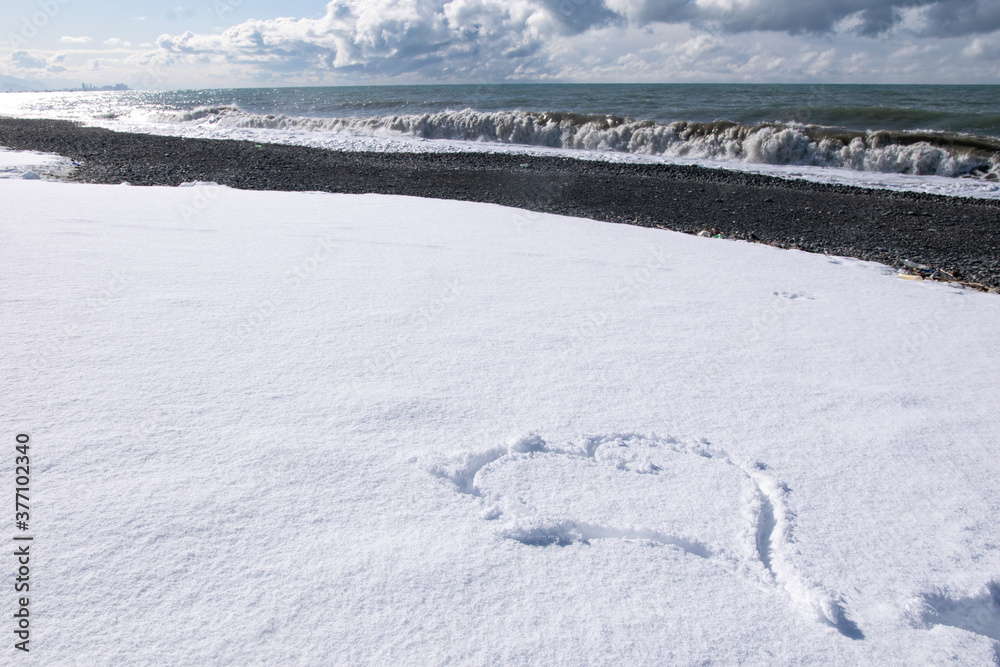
x: 947, y: 238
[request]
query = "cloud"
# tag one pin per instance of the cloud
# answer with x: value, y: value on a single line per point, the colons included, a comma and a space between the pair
x: 497, y: 39
x: 404, y: 41
x: 789, y: 16
x: 76, y: 40
x: 956, y: 18
x: 983, y: 48
x: 578, y: 16
x: 24, y: 60
x: 389, y: 37
x: 868, y: 17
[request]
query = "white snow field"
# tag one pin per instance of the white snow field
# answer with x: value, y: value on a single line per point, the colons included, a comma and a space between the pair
x: 28, y: 164
x: 294, y: 428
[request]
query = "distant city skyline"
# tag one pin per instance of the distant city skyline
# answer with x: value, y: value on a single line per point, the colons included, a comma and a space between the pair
x: 229, y: 43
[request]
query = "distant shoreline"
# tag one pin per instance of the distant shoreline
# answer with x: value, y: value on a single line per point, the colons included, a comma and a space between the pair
x: 949, y: 236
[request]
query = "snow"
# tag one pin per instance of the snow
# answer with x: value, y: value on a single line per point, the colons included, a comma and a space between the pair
x: 27, y: 164
x: 304, y: 428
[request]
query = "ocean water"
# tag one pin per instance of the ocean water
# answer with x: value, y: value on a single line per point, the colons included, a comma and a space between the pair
x: 932, y: 138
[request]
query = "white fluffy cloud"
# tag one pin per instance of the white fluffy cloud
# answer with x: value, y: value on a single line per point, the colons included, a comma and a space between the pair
x: 24, y: 60
x: 76, y: 40
x: 983, y: 47
x: 515, y: 39
x: 23, y: 63
x: 384, y: 37
x: 397, y: 41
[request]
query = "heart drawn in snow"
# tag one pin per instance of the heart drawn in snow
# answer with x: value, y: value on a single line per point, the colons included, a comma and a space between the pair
x: 648, y: 489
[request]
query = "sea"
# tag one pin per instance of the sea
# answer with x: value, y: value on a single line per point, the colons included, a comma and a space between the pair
x: 937, y: 139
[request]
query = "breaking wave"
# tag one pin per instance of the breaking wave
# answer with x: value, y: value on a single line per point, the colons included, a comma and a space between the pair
x: 901, y: 152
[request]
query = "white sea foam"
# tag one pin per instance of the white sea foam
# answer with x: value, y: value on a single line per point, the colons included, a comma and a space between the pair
x: 758, y: 144
x: 951, y: 164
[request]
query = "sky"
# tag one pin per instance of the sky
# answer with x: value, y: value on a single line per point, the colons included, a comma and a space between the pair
x: 232, y: 43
